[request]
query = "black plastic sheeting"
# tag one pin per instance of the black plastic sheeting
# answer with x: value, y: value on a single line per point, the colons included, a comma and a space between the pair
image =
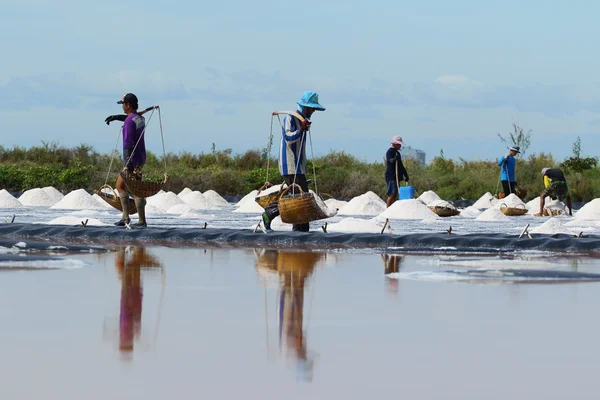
x: 422, y: 242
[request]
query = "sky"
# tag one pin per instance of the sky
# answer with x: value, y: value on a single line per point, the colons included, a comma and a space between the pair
x: 443, y: 75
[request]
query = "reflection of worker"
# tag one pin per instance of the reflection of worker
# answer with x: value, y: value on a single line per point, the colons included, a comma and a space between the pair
x: 130, y: 321
x: 293, y: 268
x: 391, y: 264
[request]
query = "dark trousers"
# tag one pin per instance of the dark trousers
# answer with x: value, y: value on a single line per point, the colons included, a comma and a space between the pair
x: 272, y: 209
x: 508, y: 190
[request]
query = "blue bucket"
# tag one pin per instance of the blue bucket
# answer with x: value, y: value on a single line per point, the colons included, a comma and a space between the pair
x: 407, y: 192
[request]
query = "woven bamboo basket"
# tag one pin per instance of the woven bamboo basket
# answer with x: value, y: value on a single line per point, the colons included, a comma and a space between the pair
x: 552, y: 212
x: 302, y: 208
x: 513, y: 211
x: 114, y: 200
x: 141, y: 188
x: 267, y: 199
x: 443, y: 211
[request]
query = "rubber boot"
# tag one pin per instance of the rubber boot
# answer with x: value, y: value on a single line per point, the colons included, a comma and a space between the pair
x: 140, y: 204
x: 124, y: 197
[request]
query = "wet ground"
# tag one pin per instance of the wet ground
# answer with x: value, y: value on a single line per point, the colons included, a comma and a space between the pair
x: 166, y: 322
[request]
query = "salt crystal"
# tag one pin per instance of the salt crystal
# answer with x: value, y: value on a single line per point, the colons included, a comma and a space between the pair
x: 407, y: 209
x: 486, y: 201
x: 470, y: 212
x: 180, y: 209
x: 78, y: 200
x: 101, y: 201
x: 164, y: 201
x: 249, y: 198
x: 196, y: 200
x: 333, y: 203
x: 510, y: 201
x: 551, y: 227
x: 36, y: 198
x: 429, y: 197
x: 215, y: 198
x: 534, y: 205
x: 365, y: 204
x: 54, y: 194
x: 7, y: 200
x: 355, y: 225
x: 184, y: 192
x: 590, y: 210
x: 492, y: 215
x: 73, y: 220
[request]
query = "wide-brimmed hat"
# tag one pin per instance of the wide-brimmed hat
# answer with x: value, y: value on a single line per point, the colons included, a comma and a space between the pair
x: 397, y: 140
x: 516, y: 149
x: 310, y: 99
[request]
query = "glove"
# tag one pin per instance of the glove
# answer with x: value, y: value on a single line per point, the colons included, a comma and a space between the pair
x: 118, y: 117
x: 127, y: 159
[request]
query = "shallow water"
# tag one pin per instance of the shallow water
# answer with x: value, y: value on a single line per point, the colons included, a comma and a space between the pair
x: 159, y: 322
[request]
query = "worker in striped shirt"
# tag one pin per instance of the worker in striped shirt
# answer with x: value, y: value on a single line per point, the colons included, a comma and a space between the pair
x: 292, y: 153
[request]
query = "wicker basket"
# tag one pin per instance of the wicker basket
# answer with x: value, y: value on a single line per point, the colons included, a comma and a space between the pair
x: 267, y: 199
x: 302, y: 208
x: 443, y: 211
x: 513, y: 211
x: 142, y: 188
x: 552, y: 212
x: 114, y: 200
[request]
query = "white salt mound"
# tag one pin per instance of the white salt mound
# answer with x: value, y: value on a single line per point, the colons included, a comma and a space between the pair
x: 407, y: 209
x: 7, y: 200
x: 101, y: 201
x: 54, y: 194
x: 164, y: 201
x: 78, y: 200
x: 492, y: 215
x: 552, y: 227
x: 365, y: 204
x: 215, y: 198
x: 196, y: 200
x: 249, y: 206
x: 36, y: 198
x: 73, y: 220
x: 333, y: 203
x: 470, y: 212
x: 355, y: 225
x: 429, y: 197
x: 247, y: 198
x: 151, y: 210
x: 180, y: 209
x: 534, y: 205
x: 590, y: 210
x: 184, y: 192
x: 510, y: 201
x: 486, y: 201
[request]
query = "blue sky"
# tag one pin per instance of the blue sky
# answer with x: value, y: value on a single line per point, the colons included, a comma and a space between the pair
x: 443, y: 75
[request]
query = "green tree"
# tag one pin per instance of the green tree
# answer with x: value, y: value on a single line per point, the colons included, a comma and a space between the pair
x: 576, y: 163
x: 517, y: 138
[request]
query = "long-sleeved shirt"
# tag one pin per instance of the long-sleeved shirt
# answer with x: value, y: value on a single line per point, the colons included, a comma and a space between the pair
x: 508, y: 168
x: 133, y: 127
x: 292, y: 150
x: 390, y: 165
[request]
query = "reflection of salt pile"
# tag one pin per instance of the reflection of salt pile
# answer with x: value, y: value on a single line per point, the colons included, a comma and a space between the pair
x: 510, y: 201
x: 407, y: 209
x: 554, y: 205
x: 492, y: 215
x: 470, y: 212
x: 196, y: 200
x: 430, y: 198
x: 78, y: 200
x: 164, y: 201
x: 552, y: 227
x: 589, y: 211
x: 54, y: 194
x: 184, y: 192
x: 73, y: 220
x: 7, y: 200
x: 365, y: 204
x: 355, y: 225
x: 36, y: 198
x: 215, y: 198
x: 333, y: 203
x: 486, y: 201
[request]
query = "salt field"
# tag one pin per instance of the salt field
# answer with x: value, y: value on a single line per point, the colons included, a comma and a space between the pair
x: 191, y: 208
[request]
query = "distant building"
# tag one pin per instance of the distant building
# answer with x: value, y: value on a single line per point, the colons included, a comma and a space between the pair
x: 415, y: 154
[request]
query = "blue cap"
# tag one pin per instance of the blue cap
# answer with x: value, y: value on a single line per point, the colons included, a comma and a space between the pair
x: 310, y: 99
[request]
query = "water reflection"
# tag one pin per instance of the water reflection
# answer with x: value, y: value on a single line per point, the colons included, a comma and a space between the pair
x: 129, y: 264
x: 293, y: 270
x: 391, y: 263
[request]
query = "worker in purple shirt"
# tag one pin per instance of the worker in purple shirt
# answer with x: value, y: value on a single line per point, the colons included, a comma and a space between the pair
x: 134, y: 156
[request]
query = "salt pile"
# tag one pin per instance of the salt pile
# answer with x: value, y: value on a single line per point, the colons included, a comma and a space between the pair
x: 492, y: 215
x: 365, y: 204
x: 101, y: 201
x: 215, y: 198
x: 73, y: 220
x: 196, y: 200
x: 180, y: 209
x: 534, y: 205
x: 7, y: 200
x: 184, y: 192
x: 355, y: 225
x: 333, y: 203
x: 164, y: 201
x: 54, y: 194
x: 429, y: 197
x: 247, y: 198
x: 510, y: 201
x: 590, y: 210
x: 248, y: 205
x: 470, y: 212
x: 36, y: 198
x: 551, y: 227
x: 78, y: 200
x: 407, y: 209
x: 486, y: 201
